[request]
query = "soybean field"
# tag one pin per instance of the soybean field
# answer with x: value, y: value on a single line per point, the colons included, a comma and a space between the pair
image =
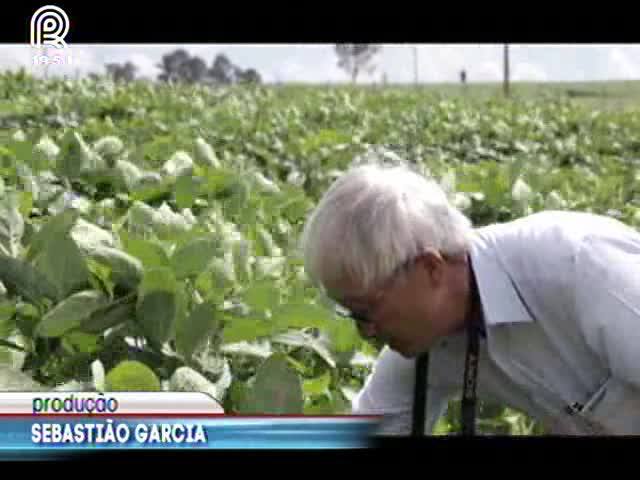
x: 149, y: 232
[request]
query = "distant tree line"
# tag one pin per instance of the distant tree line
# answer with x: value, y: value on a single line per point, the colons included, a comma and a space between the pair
x: 181, y: 67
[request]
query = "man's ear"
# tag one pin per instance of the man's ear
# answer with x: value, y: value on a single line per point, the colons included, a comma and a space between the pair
x: 434, y: 265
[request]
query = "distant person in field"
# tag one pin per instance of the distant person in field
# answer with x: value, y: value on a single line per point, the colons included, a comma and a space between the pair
x: 554, y: 296
x: 463, y: 77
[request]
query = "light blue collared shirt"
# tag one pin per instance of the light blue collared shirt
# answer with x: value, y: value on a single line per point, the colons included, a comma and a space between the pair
x: 560, y: 294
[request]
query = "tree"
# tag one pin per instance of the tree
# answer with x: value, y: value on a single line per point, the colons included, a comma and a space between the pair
x: 171, y: 65
x: 193, y: 70
x: 355, y: 58
x: 249, y: 76
x: 121, y: 73
x: 179, y: 66
x: 222, y: 70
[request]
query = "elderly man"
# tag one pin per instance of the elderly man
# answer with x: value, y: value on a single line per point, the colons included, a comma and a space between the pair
x: 554, y: 299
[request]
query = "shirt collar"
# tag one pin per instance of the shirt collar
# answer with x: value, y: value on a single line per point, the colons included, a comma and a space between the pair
x: 499, y: 295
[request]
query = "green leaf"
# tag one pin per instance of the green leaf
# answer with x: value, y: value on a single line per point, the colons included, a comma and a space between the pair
x: 100, y: 278
x: 182, y: 308
x: 125, y: 269
x: 25, y: 203
x: 22, y: 279
x: 157, y: 304
x: 156, y: 313
x: 263, y: 184
x: 256, y: 349
x: 155, y: 192
x: 237, y: 204
x: 128, y: 173
x: 7, y: 309
x: 194, y: 330
x: 56, y: 227
x: 69, y: 313
x: 179, y: 164
x: 344, y: 334
x: 23, y: 152
x: 185, y: 379
x: 69, y: 162
x: 219, y: 181
x: 302, y: 316
x: 205, y: 287
x: 205, y: 154
x: 262, y: 295
x: 269, y: 267
x: 241, y: 261
x: 340, y: 405
x: 266, y: 243
x: 88, y: 236
x: 109, y: 148
x: 28, y: 181
x: 27, y: 318
x: 320, y: 406
x: 240, y: 329
x: 222, y: 273
x: 186, y: 191
x: 277, y: 389
x: 81, y: 342
x: 301, y: 339
x: 15, y: 381
x: 237, y: 396
x: 150, y: 253
x: 317, y: 386
x: 163, y: 221
x: 64, y: 265
x: 7, y: 327
x: 11, y: 225
x: 132, y: 376
x: 108, y: 317
x: 193, y: 258
x: 158, y: 278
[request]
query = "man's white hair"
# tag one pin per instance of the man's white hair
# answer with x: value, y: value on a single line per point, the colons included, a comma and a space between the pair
x: 373, y: 219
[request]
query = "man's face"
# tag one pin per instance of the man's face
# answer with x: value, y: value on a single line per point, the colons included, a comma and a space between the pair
x: 411, y: 310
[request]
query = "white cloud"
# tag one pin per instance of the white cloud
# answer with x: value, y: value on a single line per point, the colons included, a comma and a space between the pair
x: 14, y: 56
x: 621, y: 66
x: 524, y: 71
x: 486, y: 72
x: 146, y: 65
x: 319, y: 67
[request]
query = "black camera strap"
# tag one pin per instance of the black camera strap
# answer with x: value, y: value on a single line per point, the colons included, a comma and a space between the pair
x: 420, y: 395
x: 468, y: 403
x: 472, y: 359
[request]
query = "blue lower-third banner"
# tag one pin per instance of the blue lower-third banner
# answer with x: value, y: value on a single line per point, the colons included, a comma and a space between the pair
x: 52, y: 434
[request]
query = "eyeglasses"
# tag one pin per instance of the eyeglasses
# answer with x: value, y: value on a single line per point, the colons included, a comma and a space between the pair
x: 363, y: 318
x: 358, y: 317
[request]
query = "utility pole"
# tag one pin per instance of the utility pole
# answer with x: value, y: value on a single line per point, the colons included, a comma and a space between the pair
x: 506, y: 70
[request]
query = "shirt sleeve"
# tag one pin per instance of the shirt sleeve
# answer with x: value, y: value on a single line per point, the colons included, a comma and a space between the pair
x: 607, y: 296
x: 389, y: 392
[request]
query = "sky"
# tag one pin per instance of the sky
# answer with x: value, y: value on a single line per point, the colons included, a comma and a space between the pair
x: 317, y: 63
